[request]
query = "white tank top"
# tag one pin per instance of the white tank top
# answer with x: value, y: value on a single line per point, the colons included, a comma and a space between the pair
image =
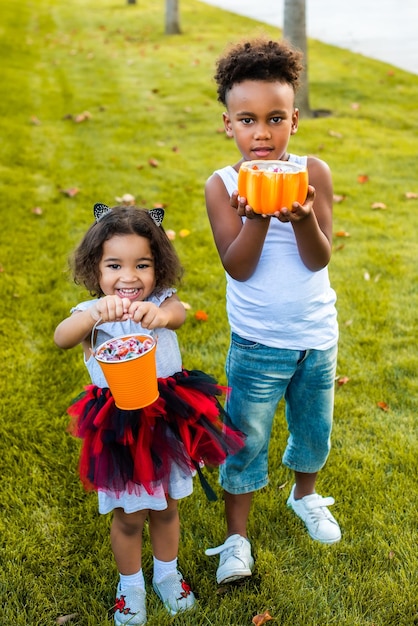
x: 283, y: 304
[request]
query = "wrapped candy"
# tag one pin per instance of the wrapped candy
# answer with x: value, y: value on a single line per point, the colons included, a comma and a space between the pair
x: 123, y: 348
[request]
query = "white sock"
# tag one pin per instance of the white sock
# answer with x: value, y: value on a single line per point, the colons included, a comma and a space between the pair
x: 163, y: 569
x: 132, y: 580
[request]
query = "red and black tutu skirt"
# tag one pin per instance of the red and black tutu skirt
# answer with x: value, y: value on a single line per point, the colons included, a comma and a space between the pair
x: 129, y: 450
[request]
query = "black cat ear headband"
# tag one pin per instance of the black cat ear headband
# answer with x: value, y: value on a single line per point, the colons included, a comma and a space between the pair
x: 100, y: 210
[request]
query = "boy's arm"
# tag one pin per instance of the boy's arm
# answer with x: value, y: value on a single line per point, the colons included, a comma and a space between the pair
x: 312, y: 221
x: 239, y: 244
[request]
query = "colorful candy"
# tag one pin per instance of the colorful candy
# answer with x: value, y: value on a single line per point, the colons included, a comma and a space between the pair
x: 123, y: 348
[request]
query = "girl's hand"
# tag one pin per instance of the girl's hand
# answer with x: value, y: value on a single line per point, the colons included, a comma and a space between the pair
x: 148, y: 314
x: 110, y: 309
x: 298, y: 212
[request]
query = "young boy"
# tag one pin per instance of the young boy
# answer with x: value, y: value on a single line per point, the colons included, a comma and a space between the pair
x: 281, y: 307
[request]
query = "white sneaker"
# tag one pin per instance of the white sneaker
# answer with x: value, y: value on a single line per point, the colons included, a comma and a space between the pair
x: 130, y: 607
x: 235, y: 559
x: 175, y: 593
x: 312, y: 509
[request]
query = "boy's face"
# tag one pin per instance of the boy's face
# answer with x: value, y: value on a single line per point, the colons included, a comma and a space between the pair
x: 261, y: 117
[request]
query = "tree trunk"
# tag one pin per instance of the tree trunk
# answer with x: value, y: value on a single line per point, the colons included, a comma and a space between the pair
x: 172, y: 21
x: 131, y: 1
x: 294, y: 30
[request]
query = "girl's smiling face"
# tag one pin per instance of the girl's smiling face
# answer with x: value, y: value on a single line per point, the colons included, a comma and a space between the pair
x: 261, y: 117
x: 127, y: 267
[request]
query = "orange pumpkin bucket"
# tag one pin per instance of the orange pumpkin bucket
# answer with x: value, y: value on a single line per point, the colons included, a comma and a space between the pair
x: 271, y: 185
x: 128, y: 364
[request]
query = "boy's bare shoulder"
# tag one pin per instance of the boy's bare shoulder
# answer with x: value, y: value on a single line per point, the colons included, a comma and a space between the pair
x: 317, y: 164
x: 318, y: 169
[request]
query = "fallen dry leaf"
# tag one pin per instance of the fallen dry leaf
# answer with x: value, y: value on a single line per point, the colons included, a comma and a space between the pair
x: 202, y: 316
x: 35, y: 121
x: 334, y: 133
x: 171, y: 234
x: 378, y: 205
x: 260, y: 619
x: 66, y: 618
x: 342, y: 380
x: 383, y: 406
x: 186, y: 306
x: 338, y: 198
x: 82, y: 117
x: 342, y: 233
x: 410, y: 195
x: 366, y: 275
x: 153, y: 162
x: 71, y: 192
x: 355, y: 106
x: 127, y: 199
x: 37, y: 210
x: 362, y: 178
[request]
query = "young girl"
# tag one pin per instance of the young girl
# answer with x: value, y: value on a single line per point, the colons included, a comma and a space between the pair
x: 140, y: 462
x: 280, y: 304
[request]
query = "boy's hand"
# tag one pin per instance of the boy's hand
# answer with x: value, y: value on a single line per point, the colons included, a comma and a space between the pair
x: 243, y: 209
x: 298, y: 212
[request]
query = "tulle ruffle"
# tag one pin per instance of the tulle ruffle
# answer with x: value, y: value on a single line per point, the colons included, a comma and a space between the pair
x: 125, y: 450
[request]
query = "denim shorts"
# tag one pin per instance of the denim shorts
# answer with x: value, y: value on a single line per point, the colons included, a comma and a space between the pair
x: 259, y: 377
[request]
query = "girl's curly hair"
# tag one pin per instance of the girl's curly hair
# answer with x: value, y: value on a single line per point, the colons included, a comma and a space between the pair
x: 124, y: 220
x: 259, y: 59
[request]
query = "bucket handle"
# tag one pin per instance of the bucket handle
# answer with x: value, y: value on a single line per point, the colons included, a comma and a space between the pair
x: 152, y: 334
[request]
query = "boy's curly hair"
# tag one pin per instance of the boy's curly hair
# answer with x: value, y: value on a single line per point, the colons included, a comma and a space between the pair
x: 259, y: 59
x: 125, y: 220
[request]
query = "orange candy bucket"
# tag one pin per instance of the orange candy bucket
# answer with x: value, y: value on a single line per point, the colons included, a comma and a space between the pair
x: 131, y: 376
x: 269, y: 186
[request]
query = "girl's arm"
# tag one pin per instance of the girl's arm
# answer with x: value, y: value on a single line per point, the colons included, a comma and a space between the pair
x: 239, y: 244
x: 74, y: 329
x: 77, y: 328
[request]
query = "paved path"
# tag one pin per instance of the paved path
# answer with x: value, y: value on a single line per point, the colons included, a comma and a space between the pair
x: 386, y: 30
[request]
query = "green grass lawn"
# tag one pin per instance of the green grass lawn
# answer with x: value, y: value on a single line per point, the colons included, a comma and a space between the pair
x: 149, y: 126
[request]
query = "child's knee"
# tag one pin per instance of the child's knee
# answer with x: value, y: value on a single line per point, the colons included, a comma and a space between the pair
x: 129, y: 523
